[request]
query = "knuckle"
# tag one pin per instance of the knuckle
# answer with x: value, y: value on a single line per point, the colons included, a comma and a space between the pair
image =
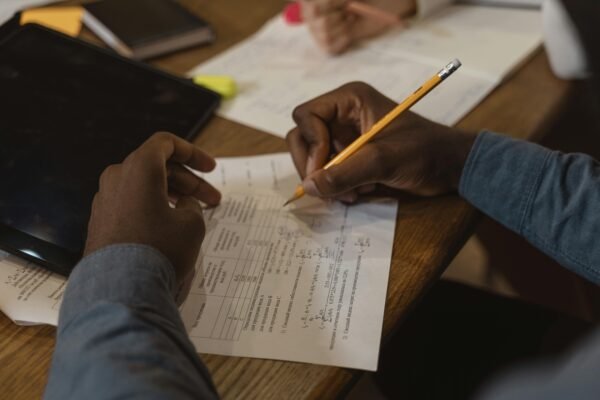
x: 336, y: 48
x: 328, y: 39
x: 135, y: 158
x: 157, y: 139
x: 358, y: 87
x: 299, y: 113
x: 309, y: 9
x: 379, y: 164
x: 161, y: 136
x: 291, y: 136
x: 108, y: 173
x: 332, y: 183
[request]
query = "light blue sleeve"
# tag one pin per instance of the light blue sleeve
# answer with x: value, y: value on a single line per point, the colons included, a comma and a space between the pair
x: 120, y: 334
x: 553, y: 200
x: 550, y: 198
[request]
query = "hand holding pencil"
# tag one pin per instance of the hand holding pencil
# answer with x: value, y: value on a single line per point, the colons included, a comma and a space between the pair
x: 337, y: 24
x: 410, y: 153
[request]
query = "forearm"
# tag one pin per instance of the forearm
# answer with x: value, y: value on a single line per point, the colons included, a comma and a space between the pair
x: 551, y: 199
x: 120, y: 334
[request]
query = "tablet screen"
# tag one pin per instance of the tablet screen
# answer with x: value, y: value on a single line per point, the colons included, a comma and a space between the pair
x: 67, y: 111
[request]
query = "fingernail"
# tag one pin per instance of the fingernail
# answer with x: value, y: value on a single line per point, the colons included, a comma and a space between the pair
x: 310, y: 187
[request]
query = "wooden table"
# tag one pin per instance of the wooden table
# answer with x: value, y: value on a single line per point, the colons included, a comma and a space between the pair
x: 429, y: 232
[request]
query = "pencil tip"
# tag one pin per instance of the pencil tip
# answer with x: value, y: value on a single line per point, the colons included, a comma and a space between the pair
x: 298, y: 193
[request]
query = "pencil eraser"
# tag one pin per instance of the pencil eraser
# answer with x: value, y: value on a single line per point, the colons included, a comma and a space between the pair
x: 222, y: 84
x: 292, y: 13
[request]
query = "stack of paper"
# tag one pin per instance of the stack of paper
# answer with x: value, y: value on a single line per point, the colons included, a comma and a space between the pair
x: 280, y: 66
x: 302, y: 283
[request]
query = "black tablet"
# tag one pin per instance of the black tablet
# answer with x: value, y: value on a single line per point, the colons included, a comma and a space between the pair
x: 68, y: 109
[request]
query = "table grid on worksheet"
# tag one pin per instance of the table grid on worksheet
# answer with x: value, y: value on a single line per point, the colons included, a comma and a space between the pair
x: 250, y: 266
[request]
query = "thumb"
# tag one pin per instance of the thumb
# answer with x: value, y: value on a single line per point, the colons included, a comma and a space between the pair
x: 193, y: 210
x: 359, y: 169
x: 191, y: 223
x: 188, y: 203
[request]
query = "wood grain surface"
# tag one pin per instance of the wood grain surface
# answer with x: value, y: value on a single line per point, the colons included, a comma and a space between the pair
x: 429, y: 232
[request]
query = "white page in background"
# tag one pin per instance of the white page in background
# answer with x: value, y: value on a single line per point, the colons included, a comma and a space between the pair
x: 305, y: 283
x: 281, y: 68
x: 29, y: 295
x: 490, y: 42
x: 9, y: 7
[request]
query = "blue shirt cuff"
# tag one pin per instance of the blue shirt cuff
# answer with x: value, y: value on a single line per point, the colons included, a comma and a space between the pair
x: 130, y: 274
x: 501, y: 177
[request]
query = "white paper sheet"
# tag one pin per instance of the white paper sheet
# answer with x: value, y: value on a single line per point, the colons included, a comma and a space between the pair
x: 9, y: 7
x: 305, y: 283
x: 302, y: 283
x: 29, y: 294
x: 280, y: 67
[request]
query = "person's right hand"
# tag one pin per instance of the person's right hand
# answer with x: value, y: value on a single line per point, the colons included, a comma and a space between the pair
x: 412, y: 154
x: 132, y: 203
x: 335, y: 29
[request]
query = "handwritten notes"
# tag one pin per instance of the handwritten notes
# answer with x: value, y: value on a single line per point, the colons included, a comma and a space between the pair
x: 280, y: 67
x: 305, y: 284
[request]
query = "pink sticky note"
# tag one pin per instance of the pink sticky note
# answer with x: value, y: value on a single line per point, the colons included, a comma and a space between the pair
x: 292, y: 13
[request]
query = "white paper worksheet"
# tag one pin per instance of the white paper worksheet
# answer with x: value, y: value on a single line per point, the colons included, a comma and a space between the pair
x: 29, y: 294
x: 302, y: 283
x: 281, y: 67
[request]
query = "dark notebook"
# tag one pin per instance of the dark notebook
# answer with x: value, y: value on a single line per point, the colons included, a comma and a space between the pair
x: 143, y: 29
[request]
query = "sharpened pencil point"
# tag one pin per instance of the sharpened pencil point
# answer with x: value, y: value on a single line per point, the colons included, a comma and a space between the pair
x: 291, y: 200
x: 298, y: 193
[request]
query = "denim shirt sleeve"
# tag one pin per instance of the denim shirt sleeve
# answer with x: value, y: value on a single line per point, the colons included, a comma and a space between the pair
x: 120, y: 334
x: 550, y: 198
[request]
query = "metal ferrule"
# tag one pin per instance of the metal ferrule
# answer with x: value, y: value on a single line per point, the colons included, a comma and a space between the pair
x: 449, y: 69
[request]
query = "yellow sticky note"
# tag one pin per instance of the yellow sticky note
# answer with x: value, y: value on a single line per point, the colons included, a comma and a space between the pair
x: 222, y: 84
x: 63, y: 19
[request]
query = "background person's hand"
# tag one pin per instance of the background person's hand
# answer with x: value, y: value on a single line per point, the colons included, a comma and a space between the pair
x: 335, y: 29
x: 412, y: 154
x: 132, y: 204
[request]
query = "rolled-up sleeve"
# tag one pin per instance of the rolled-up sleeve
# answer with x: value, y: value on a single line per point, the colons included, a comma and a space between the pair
x: 120, y: 334
x: 550, y: 198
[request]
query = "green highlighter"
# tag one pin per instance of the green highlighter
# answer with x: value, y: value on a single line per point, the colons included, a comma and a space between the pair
x: 222, y: 84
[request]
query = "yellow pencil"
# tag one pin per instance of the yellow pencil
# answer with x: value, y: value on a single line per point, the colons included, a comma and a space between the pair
x: 385, y: 121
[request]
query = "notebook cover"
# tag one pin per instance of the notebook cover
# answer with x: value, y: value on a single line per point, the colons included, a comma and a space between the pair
x: 139, y: 22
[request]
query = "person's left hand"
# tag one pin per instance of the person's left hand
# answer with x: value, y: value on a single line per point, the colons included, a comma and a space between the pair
x: 132, y: 204
x: 335, y: 29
